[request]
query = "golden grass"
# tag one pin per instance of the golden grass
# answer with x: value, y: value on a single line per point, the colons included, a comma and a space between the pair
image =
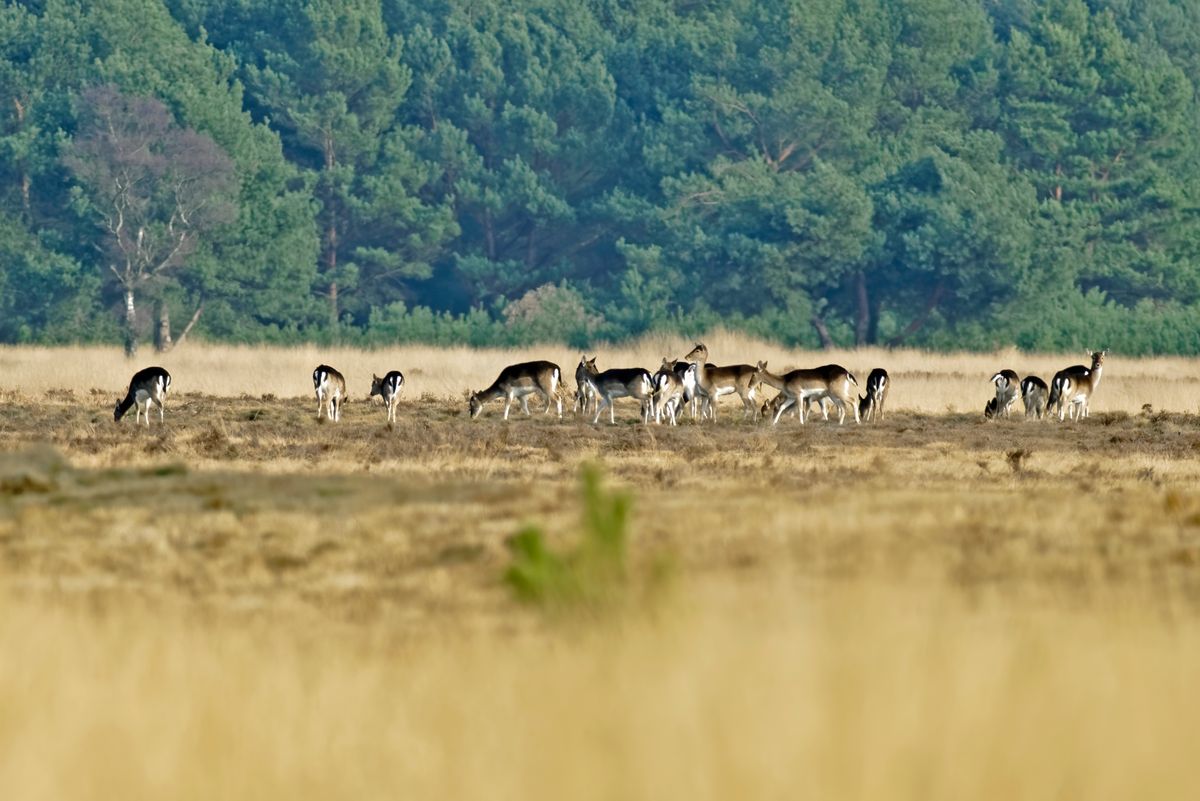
x: 246, y: 604
x: 869, y: 692
x: 922, y: 381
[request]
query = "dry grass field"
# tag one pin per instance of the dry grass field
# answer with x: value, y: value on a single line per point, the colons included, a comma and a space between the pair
x: 245, y: 604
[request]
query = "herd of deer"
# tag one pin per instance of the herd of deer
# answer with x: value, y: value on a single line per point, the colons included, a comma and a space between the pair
x: 696, y: 384
x: 1068, y: 394
x: 690, y: 382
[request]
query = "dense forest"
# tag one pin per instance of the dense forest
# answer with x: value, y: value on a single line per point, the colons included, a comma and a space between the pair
x: 938, y: 173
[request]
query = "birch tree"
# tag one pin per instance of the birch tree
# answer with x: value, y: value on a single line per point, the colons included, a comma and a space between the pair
x: 155, y: 188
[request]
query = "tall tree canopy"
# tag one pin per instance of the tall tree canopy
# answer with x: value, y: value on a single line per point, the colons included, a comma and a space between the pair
x: 965, y: 173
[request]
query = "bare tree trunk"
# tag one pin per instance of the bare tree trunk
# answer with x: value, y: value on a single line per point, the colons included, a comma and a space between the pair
x: 331, y: 236
x: 822, y: 332
x: 22, y: 171
x: 873, y: 328
x: 333, y: 305
x: 921, y: 318
x: 131, y: 340
x: 331, y: 271
x: 187, y: 329
x: 862, y: 325
x: 162, y: 340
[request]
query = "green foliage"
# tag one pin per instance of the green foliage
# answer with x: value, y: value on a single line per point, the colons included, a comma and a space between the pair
x: 594, y: 574
x: 958, y: 173
x: 553, y: 313
x: 396, y: 323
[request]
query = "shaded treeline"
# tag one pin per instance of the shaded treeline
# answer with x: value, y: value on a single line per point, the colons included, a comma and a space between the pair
x: 942, y: 173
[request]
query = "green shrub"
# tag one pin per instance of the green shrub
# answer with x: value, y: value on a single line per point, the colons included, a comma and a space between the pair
x: 594, y: 574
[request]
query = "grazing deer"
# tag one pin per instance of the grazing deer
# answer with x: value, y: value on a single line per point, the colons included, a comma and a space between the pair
x: 1008, y: 385
x: 518, y: 382
x: 388, y: 388
x: 671, y: 388
x: 870, y: 406
x: 147, y: 386
x: 712, y: 382
x: 1072, y: 388
x: 1033, y: 394
x: 331, y: 389
x: 771, y: 405
x: 620, y: 382
x: 828, y: 381
x: 990, y: 409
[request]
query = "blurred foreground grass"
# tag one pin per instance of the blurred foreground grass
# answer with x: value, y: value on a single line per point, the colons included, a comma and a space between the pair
x: 859, y: 690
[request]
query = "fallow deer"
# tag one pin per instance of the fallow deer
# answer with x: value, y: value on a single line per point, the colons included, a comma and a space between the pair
x: 147, y: 386
x: 518, y: 382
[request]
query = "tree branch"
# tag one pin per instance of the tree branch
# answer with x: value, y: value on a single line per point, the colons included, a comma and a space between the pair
x: 818, y: 323
x: 187, y: 329
x: 921, y: 318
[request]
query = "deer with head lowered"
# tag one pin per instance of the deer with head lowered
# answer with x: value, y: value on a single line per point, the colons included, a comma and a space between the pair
x: 518, y: 382
x: 147, y: 386
x: 388, y: 388
x: 1034, y: 393
x: 1072, y: 388
x: 1008, y: 385
x: 712, y: 382
x: 870, y: 406
x: 620, y: 382
x: 830, y: 381
x: 771, y: 405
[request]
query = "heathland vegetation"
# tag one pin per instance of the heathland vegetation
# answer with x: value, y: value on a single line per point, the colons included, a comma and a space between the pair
x: 937, y: 173
x: 242, y: 603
